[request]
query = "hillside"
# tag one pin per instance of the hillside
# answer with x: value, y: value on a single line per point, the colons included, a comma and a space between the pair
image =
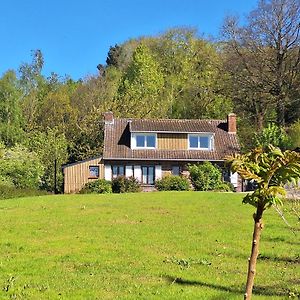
x: 171, y: 245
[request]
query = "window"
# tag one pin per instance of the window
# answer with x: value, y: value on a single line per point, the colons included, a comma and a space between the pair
x: 175, y: 170
x: 200, y: 141
x: 118, y: 170
x: 143, y: 140
x: 148, y: 175
x: 93, y: 171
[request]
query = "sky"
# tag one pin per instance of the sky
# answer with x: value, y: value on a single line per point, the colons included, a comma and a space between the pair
x: 75, y: 35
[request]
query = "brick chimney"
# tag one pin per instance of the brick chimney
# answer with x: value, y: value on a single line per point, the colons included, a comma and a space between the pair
x: 108, y: 117
x: 231, y: 123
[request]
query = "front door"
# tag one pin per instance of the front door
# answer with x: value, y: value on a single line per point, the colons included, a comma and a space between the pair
x: 148, y: 175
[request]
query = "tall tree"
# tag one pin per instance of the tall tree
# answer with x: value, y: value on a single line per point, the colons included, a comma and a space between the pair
x: 141, y: 85
x: 51, y: 148
x: 263, y: 58
x: 33, y: 85
x: 271, y: 169
x: 10, y: 110
x: 193, y: 82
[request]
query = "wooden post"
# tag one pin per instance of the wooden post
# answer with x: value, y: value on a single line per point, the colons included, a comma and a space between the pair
x: 55, y: 175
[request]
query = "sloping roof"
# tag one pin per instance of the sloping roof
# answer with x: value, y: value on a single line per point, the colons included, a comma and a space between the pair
x: 80, y: 162
x: 117, y: 139
x: 171, y: 125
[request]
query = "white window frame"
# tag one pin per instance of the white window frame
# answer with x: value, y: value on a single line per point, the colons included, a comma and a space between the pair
x: 210, y: 141
x: 134, y: 136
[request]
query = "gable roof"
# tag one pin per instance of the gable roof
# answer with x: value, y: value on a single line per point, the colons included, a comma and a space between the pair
x: 117, y: 139
x: 171, y: 125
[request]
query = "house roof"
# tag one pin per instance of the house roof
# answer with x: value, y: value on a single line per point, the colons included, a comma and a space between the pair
x: 117, y: 139
x: 171, y: 125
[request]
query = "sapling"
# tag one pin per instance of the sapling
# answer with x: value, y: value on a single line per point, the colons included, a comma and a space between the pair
x: 271, y: 169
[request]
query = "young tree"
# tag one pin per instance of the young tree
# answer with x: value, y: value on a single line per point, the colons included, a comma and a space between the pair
x: 272, y: 169
x: 274, y: 135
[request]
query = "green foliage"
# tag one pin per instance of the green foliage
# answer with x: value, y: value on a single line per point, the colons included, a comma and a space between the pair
x: 50, y: 146
x: 294, y: 134
x: 8, y: 191
x: 225, y: 187
x: 99, y: 186
x: 20, y: 168
x: 10, y: 110
x: 273, y: 135
x: 205, y: 177
x: 139, y: 91
x: 271, y: 168
x: 172, y: 183
x: 123, y: 184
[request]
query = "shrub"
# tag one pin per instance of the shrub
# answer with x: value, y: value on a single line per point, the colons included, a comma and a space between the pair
x: 173, y: 183
x: 225, y: 187
x: 7, y: 192
x: 100, y: 186
x: 205, y: 177
x: 294, y: 134
x: 123, y: 184
x: 274, y: 135
x: 20, y: 167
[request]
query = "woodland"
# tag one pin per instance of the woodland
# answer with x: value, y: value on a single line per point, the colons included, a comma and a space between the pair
x: 252, y: 69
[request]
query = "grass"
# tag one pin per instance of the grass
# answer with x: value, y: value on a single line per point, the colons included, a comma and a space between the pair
x: 163, y: 245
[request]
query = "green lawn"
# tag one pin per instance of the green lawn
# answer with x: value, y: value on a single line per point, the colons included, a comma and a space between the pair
x: 161, y: 245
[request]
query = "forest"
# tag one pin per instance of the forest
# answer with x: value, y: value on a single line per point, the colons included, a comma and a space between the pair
x: 252, y: 69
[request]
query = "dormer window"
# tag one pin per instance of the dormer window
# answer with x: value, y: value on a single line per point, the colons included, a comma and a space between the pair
x: 143, y: 140
x: 200, y: 141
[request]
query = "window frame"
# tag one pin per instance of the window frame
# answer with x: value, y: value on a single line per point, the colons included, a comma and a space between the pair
x: 147, y: 175
x: 90, y: 175
x: 118, y: 171
x: 145, y: 134
x: 201, y: 135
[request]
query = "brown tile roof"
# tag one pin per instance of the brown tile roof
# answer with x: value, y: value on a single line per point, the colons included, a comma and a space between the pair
x: 117, y: 139
x: 171, y: 125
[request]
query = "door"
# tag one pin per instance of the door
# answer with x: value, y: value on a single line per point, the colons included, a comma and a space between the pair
x: 148, y: 175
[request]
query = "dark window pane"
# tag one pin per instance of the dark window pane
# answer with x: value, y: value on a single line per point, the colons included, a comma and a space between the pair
x: 151, y: 175
x: 204, y: 142
x: 193, y: 141
x: 150, y: 140
x: 115, y: 171
x: 175, y: 170
x: 121, y: 171
x: 140, y: 141
x: 144, y: 174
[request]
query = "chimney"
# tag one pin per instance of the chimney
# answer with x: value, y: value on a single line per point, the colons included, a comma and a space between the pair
x: 231, y: 123
x: 108, y: 117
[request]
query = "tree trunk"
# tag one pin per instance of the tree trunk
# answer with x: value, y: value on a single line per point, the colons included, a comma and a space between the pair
x: 254, y: 252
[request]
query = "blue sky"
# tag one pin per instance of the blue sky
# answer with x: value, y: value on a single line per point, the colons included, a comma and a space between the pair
x: 75, y: 35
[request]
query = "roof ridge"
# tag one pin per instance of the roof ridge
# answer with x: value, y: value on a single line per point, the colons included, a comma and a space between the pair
x: 145, y: 119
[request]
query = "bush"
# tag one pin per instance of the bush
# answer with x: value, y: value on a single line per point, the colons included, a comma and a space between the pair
x: 20, y: 167
x: 123, y: 184
x: 274, y: 135
x: 100, y: 186
x: 173, y: 183
x: 225, y: 187
x: 294, y: 134
x: 7, y: 192
x: 205, y: 177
